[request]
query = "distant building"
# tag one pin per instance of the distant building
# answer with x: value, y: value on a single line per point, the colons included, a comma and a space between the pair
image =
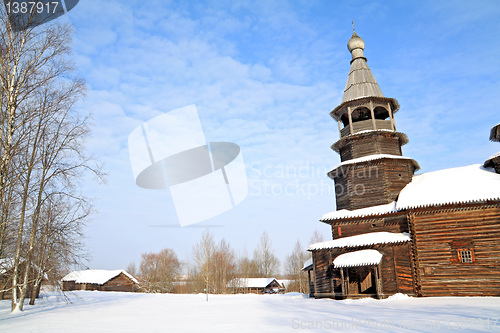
x: 101, y: 280
x: 255, y: 285
x: 286, y: 284
x: 6, y: 274
x: 434, y: 234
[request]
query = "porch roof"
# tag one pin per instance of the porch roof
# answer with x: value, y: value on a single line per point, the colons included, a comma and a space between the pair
x: 308, y: 264
x: 358, y: 258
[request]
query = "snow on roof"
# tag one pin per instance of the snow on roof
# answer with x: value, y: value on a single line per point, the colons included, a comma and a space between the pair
x: 368, y: 211
x: 285, y: 283
x: 358, y: 258
x: 6, y: 264
x: 457, y: 185
x: 308, y: 263
x: 376, y: 130
x: 374, y: 157
x: 95, y: 276
x: 492, y: 157
x: 370, y: 238
x: 251, y: 282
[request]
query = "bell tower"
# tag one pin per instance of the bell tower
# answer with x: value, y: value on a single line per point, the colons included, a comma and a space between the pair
x: 372, y: 170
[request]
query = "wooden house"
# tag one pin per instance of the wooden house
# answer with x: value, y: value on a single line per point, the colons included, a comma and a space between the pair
x: 6, y: 274
x: 101, y: 280
x: 434, y: 234
x: 255, y: 285
x: 286, y: 284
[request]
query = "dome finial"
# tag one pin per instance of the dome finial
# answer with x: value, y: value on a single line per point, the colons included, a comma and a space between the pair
x: 356, y: 44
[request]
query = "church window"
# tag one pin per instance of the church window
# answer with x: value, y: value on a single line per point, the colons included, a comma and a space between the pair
x: 466, y: 256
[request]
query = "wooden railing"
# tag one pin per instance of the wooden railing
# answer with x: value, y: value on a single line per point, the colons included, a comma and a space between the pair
x: 366, y: 125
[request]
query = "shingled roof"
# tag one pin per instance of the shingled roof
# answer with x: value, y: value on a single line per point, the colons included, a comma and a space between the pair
x: 360, y: 82
x: 495, y: 133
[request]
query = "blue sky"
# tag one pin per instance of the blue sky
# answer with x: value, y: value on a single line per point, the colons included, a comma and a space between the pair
x: 264, y: 75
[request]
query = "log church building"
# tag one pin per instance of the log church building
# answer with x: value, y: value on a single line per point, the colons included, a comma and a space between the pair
x: 432, y: 234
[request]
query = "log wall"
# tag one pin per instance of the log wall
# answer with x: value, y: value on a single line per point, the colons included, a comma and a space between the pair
x: 395, y: 223
x: 322, y: 274
x: 370, y: 144
x: 120, y: 282
x: 439, y: 233
x: 370, y: 183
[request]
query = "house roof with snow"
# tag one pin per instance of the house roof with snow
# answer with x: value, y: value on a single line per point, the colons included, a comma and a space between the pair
x: 251, y: 282
x: 96, y: 276
x: 7, y: 264
x: 489, y: 162
x: 308, y: 264
x: 468, y: 184
x: 358, y: 258
x: 369, y: 211
x: 371, y: 238
x: 285, y: 283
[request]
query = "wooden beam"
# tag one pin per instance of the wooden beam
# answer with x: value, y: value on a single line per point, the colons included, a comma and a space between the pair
x: 342, y: 286
x: 378, y: 285
x: 374, y: 124
x: 349, y: 112
x: 347, y: 282
x: 391, y: 116
x: 330, y: 262
x: 315, y: 275
x: 395, y: 267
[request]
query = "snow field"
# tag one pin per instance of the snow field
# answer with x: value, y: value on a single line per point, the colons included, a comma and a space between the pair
x: 93, y: 311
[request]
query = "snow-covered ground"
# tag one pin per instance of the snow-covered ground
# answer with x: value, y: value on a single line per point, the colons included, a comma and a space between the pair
x: 92, y: 311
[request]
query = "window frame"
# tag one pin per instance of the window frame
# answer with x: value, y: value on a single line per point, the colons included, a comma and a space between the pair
x: 469, y: 253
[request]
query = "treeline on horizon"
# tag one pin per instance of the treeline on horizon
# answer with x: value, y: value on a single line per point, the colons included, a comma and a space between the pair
x: 214, y: 265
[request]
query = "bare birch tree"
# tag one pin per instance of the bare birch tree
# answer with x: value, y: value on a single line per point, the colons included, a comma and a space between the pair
x: 268, y: 264
x: 42, y: 153
x: 247, y: 268
x: 224, y: 267
x: 215, y: 264
x: 58, y: 239
x: 159, y: 271
x: 132, y: 269
x: 203, y: 255
x: 293, y: 269
x: 316, y: 237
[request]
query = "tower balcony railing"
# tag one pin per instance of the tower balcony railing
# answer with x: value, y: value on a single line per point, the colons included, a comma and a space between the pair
x: 366, y: 125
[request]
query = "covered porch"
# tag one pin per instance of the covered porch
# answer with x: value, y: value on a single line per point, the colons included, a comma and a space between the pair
x: 357, y: 274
